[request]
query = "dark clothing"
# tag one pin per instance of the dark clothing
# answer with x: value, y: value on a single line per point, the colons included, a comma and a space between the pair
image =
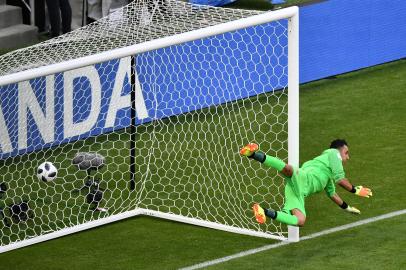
x: 25, y: 10
x: 40, y: 18
x: 58, y: 9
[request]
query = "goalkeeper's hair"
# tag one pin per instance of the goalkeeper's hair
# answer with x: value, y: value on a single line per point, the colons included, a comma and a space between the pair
x: 338, y: 143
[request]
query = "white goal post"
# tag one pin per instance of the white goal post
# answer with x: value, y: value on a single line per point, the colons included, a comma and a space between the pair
x: 187, y: 184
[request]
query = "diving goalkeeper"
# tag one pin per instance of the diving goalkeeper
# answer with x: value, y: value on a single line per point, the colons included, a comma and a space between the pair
x: 320, y: 173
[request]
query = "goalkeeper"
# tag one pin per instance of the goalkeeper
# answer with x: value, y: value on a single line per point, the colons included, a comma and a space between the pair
x: 320, y: 173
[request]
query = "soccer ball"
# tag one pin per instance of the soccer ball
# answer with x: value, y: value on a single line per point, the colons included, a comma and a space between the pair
x: 47, y: 172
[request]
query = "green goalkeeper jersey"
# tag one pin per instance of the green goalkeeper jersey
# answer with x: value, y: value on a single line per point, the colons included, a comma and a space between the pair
x: 323, y: 172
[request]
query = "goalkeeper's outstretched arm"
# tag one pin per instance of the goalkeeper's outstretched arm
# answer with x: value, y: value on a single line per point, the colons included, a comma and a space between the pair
x: 337, y: 200
x: 357, y: 190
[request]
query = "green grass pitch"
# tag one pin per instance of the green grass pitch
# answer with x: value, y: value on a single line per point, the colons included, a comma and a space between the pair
x: 367, y: 108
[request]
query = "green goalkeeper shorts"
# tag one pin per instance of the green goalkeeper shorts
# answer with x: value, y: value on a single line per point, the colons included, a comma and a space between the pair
x: 294, y: 196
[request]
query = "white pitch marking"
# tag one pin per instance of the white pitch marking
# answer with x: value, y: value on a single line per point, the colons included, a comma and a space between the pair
x: 311, y: 236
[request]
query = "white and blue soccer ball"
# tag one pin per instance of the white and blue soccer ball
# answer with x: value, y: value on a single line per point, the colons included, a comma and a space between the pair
x: 47, y: 172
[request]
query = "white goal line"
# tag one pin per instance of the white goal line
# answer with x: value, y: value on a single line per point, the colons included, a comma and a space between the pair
x: 311, y: 236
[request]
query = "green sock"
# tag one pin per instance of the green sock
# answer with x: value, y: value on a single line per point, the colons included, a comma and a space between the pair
x: 274, y: 162
x: 286, y: 218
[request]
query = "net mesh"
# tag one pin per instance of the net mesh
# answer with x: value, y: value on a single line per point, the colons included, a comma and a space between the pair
x: 176, y: 135
x: 138, y: 22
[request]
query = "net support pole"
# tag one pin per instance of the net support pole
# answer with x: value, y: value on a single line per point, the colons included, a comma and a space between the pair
x: 209, y: 224
x: 69, y: 230
x: 132, y: 127
x: 293, y: 102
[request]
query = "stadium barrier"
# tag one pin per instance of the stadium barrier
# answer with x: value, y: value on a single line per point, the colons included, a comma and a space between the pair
x: 342, y: 36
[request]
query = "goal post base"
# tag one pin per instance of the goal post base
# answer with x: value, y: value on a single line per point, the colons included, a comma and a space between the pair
x: 137, y: 212
x: 69, y: 230
x: 212, y: 225
x: 293, y: 234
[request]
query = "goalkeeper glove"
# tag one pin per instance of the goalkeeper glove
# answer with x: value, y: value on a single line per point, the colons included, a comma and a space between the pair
x: 352, y: 210
x: 249, y: 149
x: 362, y: 191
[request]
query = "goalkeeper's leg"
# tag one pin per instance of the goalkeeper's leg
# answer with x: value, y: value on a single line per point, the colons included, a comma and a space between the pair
x: 251, y: 151
x: 293, y: 212
x: 295, y: 218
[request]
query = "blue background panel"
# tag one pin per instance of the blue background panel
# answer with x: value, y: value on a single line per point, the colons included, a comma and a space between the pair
x: 341, y: 36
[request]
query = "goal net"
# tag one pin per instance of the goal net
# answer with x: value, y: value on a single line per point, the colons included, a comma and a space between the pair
x: 144, y: 112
